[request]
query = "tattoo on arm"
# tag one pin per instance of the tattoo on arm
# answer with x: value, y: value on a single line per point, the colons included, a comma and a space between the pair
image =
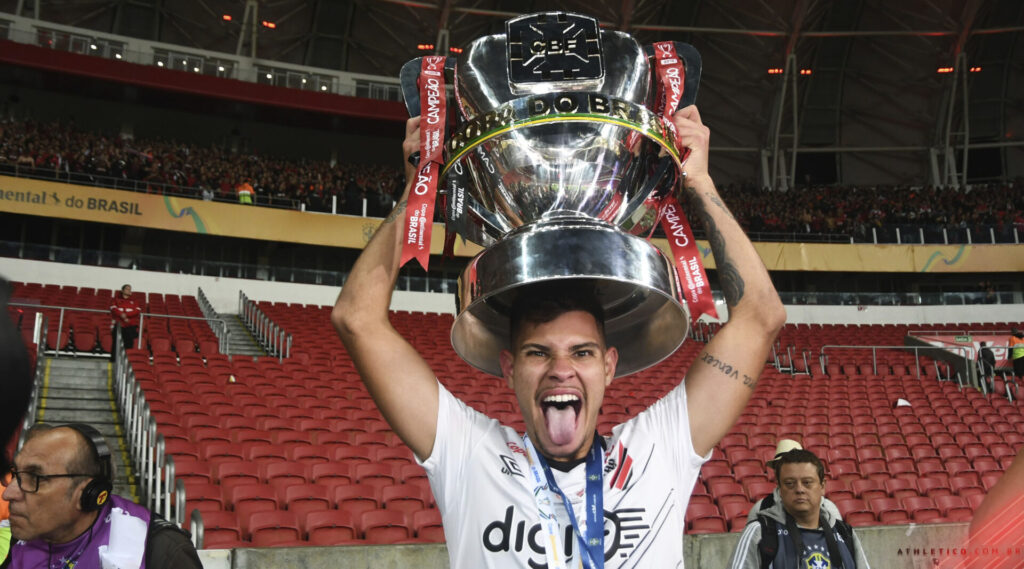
x: 717, y: 201
x: 728, y: 370
x: 397, y: 212
x: 728, y: 274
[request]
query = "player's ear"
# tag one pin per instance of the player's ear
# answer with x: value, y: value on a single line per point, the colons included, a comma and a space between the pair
x: 506, y: 360
x: 611, y: 360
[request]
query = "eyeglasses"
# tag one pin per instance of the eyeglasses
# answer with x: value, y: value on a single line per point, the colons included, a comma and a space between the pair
x: 29, y: 481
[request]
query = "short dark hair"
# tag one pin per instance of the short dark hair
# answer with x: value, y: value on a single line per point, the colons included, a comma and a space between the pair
x: 799, y: 456
x: 86, y: 459
x: 543, y: 302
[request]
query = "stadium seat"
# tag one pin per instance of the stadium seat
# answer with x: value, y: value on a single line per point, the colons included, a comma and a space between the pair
x: 376, y: 474
x: 406, y: 498
x: 247, y: 499
x: 330, y: 527
x: 707, y: 525
x: 384, y: 526
x: 921, y: 509
x: 954, y: 508
x: 963, y: 485
x: 221, y: 530
x: 356, y: 498
x: 203, y: 496
x: 297, y: 471
x: 889, y: 511
x: 901, y: 488
x: 303, y: 498
x: 272, y: 527
x: 426, y: 524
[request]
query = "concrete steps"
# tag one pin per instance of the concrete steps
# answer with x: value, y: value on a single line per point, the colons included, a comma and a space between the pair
x: 76, y: 390
x: 240, y: 340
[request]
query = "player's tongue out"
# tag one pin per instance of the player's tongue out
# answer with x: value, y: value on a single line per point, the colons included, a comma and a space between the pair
x: 560, y: 413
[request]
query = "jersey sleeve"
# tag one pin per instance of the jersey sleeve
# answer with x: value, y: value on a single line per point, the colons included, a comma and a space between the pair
x: 668, y: 422
x: 460, y: 431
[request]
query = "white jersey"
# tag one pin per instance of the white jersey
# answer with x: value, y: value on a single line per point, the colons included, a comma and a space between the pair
x: 480, y: 478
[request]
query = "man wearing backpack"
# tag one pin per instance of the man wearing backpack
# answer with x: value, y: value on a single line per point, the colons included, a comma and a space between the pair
x: 784, y: 446
x: 798, y: 523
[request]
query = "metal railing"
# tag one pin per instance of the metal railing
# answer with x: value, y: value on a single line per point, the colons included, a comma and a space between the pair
x: 272, y: 337
x: 39, y: 336
x: 366, y: 207
x: 223, y: 334
x: 823, y: 355
x: 221, y: 338
x: 147, y: 449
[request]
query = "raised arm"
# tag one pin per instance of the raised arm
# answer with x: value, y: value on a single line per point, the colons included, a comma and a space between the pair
x: 398, y: 379
x: 721, y: 380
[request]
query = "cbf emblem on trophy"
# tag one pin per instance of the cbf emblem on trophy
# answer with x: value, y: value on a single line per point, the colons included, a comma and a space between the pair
x: 555, y: 151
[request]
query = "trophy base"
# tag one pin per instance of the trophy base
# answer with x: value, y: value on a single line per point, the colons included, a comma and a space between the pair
x: 634, y: 281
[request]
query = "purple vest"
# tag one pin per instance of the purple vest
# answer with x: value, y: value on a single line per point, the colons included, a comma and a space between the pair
x: 119, y: 535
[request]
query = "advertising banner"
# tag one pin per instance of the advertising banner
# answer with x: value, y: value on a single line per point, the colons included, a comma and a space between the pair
x: 87, y: 203
x: 51, y: 199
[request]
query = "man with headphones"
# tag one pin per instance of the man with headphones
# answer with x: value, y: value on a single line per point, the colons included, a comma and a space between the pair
x: 63, y: 514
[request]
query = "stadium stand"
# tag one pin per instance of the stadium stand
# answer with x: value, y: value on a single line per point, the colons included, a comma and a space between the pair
x: 286, y: 452
x: 285, y: 477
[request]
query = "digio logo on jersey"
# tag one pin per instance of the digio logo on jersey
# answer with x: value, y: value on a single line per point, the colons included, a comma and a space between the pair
x: 622, y: 530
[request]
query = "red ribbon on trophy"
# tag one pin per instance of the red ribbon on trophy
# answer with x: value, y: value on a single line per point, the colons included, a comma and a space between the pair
x: 419, y: 216
x: 685, y: 253
x: 686, y: 256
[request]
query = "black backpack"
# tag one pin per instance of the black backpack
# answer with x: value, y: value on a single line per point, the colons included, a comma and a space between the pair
x: 157, y: 524
x: 769, y: 544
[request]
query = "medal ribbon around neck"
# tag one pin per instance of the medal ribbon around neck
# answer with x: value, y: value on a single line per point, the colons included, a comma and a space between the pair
x: 693, y: 280
x: 591, y: 545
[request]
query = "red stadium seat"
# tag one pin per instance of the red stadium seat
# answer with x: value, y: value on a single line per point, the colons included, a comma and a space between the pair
x: 426, y: 524
x: 707, y: 525
x: 247, y: 499
x: 954, y: 508
x: 272, y: 527
x: 406, y: 498
x: 303, y: 498
x: 221, y: 530
x: 889, y: 511
x: 356, y: 498
x: 203, y: 496
x: 384, y: 526
x: 331, y: 527
x: 921, y: 509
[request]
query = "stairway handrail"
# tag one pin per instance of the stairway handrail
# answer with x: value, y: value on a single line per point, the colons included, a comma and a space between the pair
x: 37, y: 381
x: 142, y: 316
x: 276, y: 340
x: 206, y: 308
x: 874, y: 355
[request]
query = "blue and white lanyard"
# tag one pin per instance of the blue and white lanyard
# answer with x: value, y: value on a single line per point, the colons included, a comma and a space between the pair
x: 591, y: 545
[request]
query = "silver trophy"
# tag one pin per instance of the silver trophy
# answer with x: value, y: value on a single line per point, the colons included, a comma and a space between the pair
x: 556, y: 163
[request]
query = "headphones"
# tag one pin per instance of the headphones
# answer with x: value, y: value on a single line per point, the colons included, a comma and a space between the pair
x: 97, y: 491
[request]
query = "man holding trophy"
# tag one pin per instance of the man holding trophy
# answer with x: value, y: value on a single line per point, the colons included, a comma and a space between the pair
x: 553, y: 160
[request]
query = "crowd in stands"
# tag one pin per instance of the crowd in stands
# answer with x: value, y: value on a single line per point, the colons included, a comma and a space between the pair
x: 855, y: 211
x: 63, y: 151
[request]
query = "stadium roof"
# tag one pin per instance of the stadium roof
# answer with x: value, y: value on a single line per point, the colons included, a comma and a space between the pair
x: 863, y: 90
